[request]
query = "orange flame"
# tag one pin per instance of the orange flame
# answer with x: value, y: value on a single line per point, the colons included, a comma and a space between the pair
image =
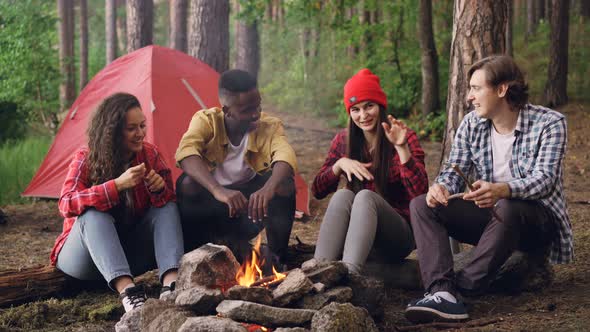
x: 250, y: 271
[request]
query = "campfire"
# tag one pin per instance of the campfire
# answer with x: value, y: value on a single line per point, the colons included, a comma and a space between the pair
x: 250, y: 273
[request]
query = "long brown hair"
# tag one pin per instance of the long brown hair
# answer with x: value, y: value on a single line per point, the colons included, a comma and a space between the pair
x: 106, y: 159
x: 358, y: 149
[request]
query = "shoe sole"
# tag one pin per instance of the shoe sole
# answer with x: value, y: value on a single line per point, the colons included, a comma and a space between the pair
x: 420, y: 315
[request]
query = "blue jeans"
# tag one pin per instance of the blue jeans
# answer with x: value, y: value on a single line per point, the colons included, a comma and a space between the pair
x: 99, y: 247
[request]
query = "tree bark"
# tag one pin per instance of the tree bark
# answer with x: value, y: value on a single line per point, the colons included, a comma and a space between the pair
x: 430, y: 98
x: 479, y: 30
x: 509, y: 26
x: 178, y: 21
x: 121, y: 26
x: 65, y: 9
x: 20, y: 286
x: 531, y: 20
x: 111, y: 30
x: 584, y: 9
x: 139, y: 24
x: 556, y: 88
x: 540, y: 10
x: 209, y: 32
x: 247, y: 46
x: 83, y: 43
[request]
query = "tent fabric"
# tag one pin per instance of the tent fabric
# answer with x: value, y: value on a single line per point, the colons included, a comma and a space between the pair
x: 170, y: 85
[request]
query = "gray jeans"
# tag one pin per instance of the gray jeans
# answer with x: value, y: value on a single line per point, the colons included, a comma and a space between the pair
x: 99, y: 247
x: 354, y: 223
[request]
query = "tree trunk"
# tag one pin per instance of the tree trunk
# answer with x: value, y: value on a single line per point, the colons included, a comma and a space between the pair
x: 556, y: 88
x: 209, y: 32
x: 139, y: 24
x: 509, y: 25
x: 531, y: 20
x: 584, y: 9
x: 178, y: 18
x: 247, y: 46
x: 65, y: 9
x: 351, y: 49
x: 540, y: 10
x: 478, y: 31
x: 429, y: 59
x: 121, y: 26
x: 83, y: 43
x: 111, y: 30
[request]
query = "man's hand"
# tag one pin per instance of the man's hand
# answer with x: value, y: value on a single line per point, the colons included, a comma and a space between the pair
x: 258, y: 203
x: 437, y: 195
x: 352, y: 167
x: 154, y: 182
x: 486, y: 194
x: 130, y: 178
x: 234, y: 199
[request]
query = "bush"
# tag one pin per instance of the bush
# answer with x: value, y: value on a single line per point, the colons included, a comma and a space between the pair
x: 12, y: 126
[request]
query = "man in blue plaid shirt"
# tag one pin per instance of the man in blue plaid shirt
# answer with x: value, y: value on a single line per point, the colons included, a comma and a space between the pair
x: 516, y: 151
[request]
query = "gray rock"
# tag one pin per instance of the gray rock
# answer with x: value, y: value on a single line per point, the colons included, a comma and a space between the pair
x: 211, y: 324
x: 152, y: 309
x: 264, y: 315
x: 169, y: 320
x: 368, y: 293
x: 318, y: 287
x: 210, y: 266
x: 328, y: 273
x: 291, y: 329
x: 170, y: 297
x: 318, y: 301
x: 199, y: 300
x: 342, y: 317
x: 295, y: 285
x: 130, y: 322
x: 404, y: 275
x: 251, y: 294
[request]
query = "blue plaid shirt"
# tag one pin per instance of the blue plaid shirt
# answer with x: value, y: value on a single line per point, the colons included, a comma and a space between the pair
x: 536, y: 165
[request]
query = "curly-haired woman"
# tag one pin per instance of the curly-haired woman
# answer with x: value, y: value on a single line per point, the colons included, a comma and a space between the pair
x: 118, y: 202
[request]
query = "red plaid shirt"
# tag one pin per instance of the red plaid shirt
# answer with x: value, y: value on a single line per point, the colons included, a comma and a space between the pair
x: 405, y: 181
x: 77, y: 195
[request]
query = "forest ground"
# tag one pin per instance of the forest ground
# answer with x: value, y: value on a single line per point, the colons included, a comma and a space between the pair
x: 26, y: 240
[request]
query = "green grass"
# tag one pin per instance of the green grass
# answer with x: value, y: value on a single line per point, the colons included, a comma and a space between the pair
x: 19, y: 160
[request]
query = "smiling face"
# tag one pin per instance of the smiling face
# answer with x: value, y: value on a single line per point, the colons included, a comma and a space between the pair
x: 485, y: 98
x: 245, y: 109
x: 365, y: 115
x: 135, y: 130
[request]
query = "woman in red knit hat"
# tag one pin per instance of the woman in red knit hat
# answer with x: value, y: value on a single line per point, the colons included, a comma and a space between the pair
x: 383, y: 166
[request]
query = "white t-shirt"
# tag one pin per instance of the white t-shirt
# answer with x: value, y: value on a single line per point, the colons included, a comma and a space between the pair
x: 234, y: 169
x: 501, y: 155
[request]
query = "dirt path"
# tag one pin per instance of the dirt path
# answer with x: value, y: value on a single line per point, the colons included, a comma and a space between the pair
x: 29, y: 234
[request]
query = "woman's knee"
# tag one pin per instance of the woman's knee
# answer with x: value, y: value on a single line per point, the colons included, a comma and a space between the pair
x: 342, y: 197
x: 94, y: 217
x: 366, y: 197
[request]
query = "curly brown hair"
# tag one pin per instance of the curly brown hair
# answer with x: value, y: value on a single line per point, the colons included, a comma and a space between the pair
x: 106, y: 159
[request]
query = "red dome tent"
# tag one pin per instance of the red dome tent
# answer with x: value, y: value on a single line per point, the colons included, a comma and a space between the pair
x: 170, y: 86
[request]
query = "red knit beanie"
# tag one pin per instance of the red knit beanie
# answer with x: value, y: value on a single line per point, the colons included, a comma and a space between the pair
x: 363, y: 86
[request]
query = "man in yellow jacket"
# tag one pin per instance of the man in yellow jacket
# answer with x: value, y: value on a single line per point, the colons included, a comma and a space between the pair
x: 238, y: 172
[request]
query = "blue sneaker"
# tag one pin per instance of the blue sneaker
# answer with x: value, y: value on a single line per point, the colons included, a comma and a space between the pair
x: 433, y: 308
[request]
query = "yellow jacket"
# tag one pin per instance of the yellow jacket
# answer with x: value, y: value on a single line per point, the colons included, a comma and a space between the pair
x: 206, y: 138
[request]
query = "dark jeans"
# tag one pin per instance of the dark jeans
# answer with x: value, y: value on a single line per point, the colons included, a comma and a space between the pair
x: 205, y: 219
x: 526, y: 225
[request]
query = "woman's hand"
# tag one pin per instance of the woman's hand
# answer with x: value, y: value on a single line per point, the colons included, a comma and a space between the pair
x: 352, y: 167
x: 395, y: 131
x: 130, y: 178
x: 154, y: 182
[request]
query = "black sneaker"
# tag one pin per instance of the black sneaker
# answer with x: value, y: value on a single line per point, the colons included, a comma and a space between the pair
x: 133, y: 298
x: 433, y: 308
x: 167, y: 289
